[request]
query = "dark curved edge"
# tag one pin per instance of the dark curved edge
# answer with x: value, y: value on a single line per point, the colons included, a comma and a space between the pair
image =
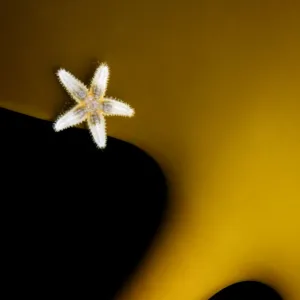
x: 247, y: 290
x: 76, y: 220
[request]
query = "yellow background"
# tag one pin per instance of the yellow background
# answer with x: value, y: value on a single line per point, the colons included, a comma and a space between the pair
x: 216, y: 88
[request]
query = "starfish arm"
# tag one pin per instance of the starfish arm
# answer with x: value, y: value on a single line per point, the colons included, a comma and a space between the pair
x: 99, y: 81
x: 113, y: 107
x: 71, y: 118
x: 77, y: 90
x: 97, y: 127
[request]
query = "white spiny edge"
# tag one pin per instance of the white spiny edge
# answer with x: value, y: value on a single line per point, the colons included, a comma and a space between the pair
x: 69, y: 73
x: 101, y: 65
x: 61, y: 115
x: 58, y: 118
x: 67, y: 126
x: 118, y: 115
x: 105, y: 134
x: 58, y: 74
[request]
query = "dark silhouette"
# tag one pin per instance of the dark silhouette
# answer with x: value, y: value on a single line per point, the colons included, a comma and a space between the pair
x: 247, y: 290
x: 76, y: 220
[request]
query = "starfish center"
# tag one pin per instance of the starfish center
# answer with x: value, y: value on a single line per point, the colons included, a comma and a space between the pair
x: 92, y: 104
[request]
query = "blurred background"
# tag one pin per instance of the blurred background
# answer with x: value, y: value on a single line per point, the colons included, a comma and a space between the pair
x: 215, y: 86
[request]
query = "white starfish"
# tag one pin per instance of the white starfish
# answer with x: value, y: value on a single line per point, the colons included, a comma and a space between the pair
x: 91, y: 106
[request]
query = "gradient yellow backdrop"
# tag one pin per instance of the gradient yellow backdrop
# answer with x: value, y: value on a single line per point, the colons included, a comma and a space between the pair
x: 216, y: 88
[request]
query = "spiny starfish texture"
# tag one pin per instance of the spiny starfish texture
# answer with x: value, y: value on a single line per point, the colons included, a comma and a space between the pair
x: 92, y: 105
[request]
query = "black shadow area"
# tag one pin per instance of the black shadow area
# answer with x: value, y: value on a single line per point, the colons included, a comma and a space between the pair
x: 76, y: 221
x: 247, y: 290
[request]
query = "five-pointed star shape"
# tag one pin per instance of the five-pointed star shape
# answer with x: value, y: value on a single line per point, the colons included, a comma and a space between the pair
x: 92, y: 105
